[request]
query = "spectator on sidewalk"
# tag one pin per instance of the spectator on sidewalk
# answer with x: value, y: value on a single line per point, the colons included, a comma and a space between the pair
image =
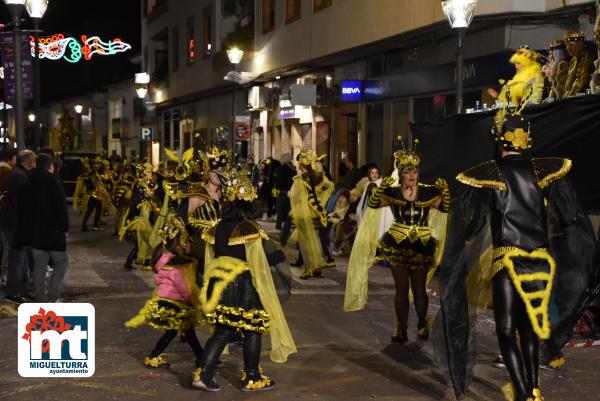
x: 17, y: 260
x: 352, y: 174
x: 8, y: 160
x: 283, y: 179
x: 43, y: 227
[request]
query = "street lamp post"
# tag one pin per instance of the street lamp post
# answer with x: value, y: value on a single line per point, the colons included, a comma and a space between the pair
x: 16, y: 9
x: 235, y: 56
x: 36, y: 10
x: 78, y: 109
x: 460, y: 14
x: 141, y: 89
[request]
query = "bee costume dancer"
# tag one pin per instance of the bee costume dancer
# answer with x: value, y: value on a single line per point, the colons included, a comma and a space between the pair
x: 238, y: 293
x: 309, y: 194
x: 410, y: 245
x: 175, y: 304
x: 543, y: 246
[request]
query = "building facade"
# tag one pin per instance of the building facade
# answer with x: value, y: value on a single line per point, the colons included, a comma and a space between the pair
x: 345, y: 77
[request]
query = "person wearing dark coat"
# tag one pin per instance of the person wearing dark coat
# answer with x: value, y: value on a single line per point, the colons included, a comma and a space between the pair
x: 17, y: 269
x: 284, y: 178
x: 43, y: 227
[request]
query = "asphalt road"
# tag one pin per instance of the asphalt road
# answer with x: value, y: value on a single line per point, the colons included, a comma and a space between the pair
x: 340, y: 355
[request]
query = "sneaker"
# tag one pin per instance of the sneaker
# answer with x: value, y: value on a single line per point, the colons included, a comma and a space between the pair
x: 204, y: 384
x: 263, y: 383
x: 308, y: 275
x: 498, y: 362
x: 155, y: 362
x: 97, y: 228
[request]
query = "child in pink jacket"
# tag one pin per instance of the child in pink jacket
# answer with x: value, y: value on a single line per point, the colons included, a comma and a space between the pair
x: 172, y: 307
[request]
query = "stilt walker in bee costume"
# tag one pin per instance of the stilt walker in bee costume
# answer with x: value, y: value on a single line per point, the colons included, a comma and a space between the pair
x: 309, y: 194
x: 143, y: 210
x: 543, y: 247
x: 93, y: 195
x: 238, y: 293
x: 175, y: 304
x: 409, y: 246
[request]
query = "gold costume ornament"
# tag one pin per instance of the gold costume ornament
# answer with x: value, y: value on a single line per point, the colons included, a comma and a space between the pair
x: 215, y: 158
x: 510, y: 129
x: 237, y: 185
x: 309, y: 158
x: 574, y: 36
x: 407, y: 157
x: 171, y: 227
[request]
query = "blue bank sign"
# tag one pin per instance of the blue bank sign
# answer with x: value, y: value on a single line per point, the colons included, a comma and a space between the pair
x: 351, y: 90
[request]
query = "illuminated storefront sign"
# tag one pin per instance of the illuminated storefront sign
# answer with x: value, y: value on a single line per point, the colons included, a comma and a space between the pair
x: 351, y: 90
x: 58, y: 47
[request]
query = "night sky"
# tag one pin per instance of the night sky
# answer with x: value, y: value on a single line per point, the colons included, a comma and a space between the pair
x: 108, y: 19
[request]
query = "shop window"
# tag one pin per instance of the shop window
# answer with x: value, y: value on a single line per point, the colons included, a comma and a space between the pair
x: 318, y: 5
x: 190, y: 40
x: 207, y: 46
x: 268, y: 15
x: 293, y: 10
x: 175, y: 48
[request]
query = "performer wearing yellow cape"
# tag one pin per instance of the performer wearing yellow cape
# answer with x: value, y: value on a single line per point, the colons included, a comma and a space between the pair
x: 409, y: 246
x: 309, y: 194
x: 238, y: 293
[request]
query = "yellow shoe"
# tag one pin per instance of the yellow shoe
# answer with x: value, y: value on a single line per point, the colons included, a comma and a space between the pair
x: 147, y: 267
x: 423, y: 333
x: 537, y: 395
x: 262, y: 384
x: 155, y: 362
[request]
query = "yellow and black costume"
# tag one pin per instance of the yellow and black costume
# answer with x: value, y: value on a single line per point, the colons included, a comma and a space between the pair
x: 123, y: 190
x: 91, y: 194
x: 143, y: 211
x: 581, y: 66
x: 409, y: 246
x: 174, y: 305
x: 238, y: 293
x: 543, y: 247
x: 309, y: 195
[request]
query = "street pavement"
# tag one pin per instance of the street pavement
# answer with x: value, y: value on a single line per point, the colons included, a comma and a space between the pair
x: 340, y: 355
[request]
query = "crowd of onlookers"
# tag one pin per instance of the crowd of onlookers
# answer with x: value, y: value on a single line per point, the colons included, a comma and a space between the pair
x: 34, y: 225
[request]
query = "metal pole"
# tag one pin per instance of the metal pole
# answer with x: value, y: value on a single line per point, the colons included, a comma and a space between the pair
x: 459, y: 70
x: 231, y: 141
x: 16, y: 11
x: 37, y: 135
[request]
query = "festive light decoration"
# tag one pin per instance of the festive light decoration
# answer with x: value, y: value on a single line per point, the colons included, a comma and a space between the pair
x: 58, y: 47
